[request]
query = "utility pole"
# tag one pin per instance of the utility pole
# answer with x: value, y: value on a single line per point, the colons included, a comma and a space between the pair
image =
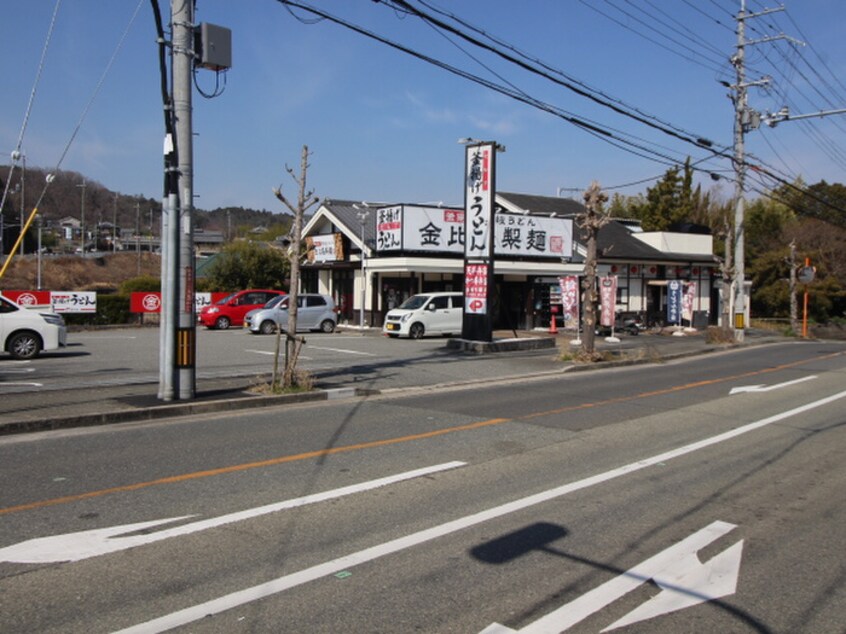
x: 83, y: 185
x: 745, y: 119
x: 181, y: 265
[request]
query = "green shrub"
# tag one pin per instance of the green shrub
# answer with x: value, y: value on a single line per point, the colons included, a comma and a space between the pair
x: 142, y: 284
x: 111, y: 309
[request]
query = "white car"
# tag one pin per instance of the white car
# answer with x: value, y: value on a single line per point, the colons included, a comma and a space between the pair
x: 426, y: 314
x: 25, y: 332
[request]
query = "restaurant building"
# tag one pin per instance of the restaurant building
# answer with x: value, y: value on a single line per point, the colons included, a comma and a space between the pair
x: 372, y: 256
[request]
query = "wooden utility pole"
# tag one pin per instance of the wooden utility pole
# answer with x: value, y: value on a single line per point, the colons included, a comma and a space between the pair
x: 591, y: 221
x: 305, y: 200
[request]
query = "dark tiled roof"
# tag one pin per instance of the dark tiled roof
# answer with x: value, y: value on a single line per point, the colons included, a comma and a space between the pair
x: 543, y: 205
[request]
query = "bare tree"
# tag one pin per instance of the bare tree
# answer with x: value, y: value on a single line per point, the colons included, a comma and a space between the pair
x: 590, y: 222
x: 305, y: 200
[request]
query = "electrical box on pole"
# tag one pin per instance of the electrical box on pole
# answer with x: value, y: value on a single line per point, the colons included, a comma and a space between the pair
x: 213, y: 46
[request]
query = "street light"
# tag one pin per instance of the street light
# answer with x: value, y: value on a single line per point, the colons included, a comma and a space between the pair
x: 363, y: 214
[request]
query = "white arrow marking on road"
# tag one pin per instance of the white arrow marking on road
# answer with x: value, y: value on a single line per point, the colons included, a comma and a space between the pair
x: 85, y: 544
x: 768, y: 388
x: 685, y: 581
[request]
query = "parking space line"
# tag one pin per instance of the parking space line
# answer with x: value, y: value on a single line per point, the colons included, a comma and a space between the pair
x: 366, y: 354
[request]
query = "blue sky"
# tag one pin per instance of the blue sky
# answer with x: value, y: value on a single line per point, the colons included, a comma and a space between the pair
x: 383, y: 126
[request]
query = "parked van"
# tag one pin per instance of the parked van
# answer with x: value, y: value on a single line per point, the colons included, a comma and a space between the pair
x: 25, y: 332
x: 426, y: 314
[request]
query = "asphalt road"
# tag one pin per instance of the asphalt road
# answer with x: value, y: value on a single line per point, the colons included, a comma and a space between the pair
x: 701, y: 495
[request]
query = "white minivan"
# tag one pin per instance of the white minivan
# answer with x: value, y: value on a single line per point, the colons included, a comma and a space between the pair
x: 25, y: 332
x: 426, y: 314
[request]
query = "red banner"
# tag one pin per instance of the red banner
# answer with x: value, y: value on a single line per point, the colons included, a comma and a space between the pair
x: 28, y: 298
x: 145, y: 302
x: 570, y: 299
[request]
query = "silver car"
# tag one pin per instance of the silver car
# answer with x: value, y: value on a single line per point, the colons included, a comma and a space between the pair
x: 314, y: 312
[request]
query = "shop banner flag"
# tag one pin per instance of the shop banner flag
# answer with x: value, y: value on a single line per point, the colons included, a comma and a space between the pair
x: 570, y: 299
x: 687, y: 302
x: 674, y: 300
x: 607, y: 299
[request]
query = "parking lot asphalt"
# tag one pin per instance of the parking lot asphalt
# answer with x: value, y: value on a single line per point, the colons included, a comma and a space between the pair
x: 438, y: 368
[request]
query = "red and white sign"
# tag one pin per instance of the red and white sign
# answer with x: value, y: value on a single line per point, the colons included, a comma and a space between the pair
x: 570, y: 297
x: 478, y: 200
x: 607, y: 299
x: 29, y: 299
x: 476, y: 289
x: 149, y: 302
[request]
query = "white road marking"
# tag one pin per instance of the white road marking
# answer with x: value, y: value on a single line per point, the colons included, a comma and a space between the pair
x: 275, y: 586
x: 20, y: 384
x: 270, y: 353
x: 768, y: 388
x: 685, y: 581
x: 343, y: 350
x: 85, y: 544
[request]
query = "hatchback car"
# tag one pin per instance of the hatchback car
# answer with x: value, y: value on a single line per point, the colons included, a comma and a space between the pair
x: 314, y: 312
x: 25, y: 332
x: 230, y: 310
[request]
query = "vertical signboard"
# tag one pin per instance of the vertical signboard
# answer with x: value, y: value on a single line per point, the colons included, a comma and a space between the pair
x: 478, y: 201
x: 477, y: 324
x: 674, y: 300
x: 570, y: 299
x: 608, y: 300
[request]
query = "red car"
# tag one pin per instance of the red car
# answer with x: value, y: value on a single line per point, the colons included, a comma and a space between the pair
x: 230, y: 310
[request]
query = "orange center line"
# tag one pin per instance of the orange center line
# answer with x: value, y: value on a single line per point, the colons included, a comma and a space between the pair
x: 250, y: 465
x: 391, y: 441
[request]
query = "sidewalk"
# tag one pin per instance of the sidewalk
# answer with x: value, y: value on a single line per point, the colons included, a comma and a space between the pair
x: 441, y: 368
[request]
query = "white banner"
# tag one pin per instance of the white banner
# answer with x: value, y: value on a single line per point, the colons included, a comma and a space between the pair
x: 438, y: 230
x: 478, y: 200
x: 74, y: 302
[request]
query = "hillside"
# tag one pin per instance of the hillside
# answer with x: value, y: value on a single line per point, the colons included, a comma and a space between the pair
x: 73, y: 273
x: 66, y: 196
